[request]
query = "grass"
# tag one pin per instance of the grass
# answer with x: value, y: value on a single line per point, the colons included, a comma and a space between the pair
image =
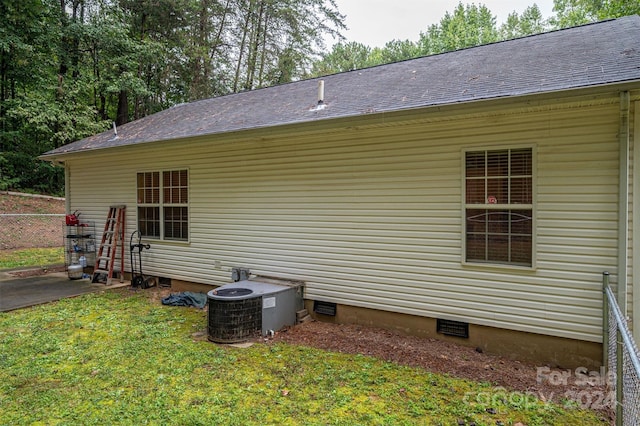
x: 120, y: 358
x: 39, y: 257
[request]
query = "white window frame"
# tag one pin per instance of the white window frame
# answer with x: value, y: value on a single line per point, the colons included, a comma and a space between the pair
x: 491, y: 206
x: 161, y: 205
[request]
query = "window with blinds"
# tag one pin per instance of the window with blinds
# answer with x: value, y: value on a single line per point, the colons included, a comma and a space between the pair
x: 163, y: 210
x: 499, y: 206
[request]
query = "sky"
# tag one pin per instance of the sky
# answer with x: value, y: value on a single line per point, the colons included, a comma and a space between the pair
x: 375, y: 22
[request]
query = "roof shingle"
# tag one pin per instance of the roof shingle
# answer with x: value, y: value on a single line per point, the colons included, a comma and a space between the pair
x: 596, y: 54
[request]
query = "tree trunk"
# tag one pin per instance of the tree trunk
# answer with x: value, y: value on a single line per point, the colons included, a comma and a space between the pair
x: 122, y: 116
x: 245, y: 31
x: 254, y: 46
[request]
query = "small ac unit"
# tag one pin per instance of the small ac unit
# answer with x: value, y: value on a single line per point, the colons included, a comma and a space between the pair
x: 245, y: 309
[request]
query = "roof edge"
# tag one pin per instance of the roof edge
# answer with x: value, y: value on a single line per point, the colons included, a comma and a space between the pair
x: 550, y: 96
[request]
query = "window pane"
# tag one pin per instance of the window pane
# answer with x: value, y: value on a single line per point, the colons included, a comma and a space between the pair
x: 521, y: 191
x: 475, y: 191
x: 497, y: 191
x: 498, y: 248
x: 521, y: 250
x: 476, y: 247
x: 498, y: 163
x: 148, y: 188
x: 521, y: 222
x: 175, y: 187
x: 475, y: 164
x: 175, y: 223
x: 521, y: 164
x: 498, y: 222
x: 149, y: 221
x: 476, y: 221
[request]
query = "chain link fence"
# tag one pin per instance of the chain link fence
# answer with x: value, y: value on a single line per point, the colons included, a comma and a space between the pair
x: 19, y: 231
x: 622, y: 357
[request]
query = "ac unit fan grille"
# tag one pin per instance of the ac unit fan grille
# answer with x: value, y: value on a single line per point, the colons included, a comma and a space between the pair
x: 232, y: 321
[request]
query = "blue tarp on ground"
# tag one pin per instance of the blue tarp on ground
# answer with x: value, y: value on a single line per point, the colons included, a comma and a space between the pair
x: 186, y: 298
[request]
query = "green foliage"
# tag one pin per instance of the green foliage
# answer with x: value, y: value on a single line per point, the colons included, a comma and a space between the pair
x: 467, y: 26
x: 577, y: 12
x: 570, y: 13
x: 618, y: 8
x: 68, y: 68
x: 21, y: 170
x: 118, y: 358
x: 344, y: 57
x: 529, y: 22
x: 7, y: 178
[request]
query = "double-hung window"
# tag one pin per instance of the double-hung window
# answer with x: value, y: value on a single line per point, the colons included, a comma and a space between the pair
x: 163, y: 210
x: 499, y: 206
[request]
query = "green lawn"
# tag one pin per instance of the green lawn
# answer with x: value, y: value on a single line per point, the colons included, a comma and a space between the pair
x: 38, y: 257
x: 121, y: 358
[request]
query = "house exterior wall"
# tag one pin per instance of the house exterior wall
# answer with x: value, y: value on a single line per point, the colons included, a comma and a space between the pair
x: 371, y: 216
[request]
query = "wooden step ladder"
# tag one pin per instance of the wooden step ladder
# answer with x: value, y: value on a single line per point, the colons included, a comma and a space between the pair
x: 112, y: 239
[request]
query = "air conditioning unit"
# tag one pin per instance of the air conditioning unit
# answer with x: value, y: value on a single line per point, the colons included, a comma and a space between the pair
x: 245, y: 309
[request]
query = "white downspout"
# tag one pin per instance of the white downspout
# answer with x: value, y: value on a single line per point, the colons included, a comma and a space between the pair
x: 635, y: 304
x: 623, y: 202
x: 67, y: 190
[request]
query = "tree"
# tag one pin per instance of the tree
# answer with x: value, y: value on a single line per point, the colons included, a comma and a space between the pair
x: 273, y: 29
x: 570, y: 13
x: 468, y: 26
x: 618, y: 8
x: 68, y: 68
x: 529, y: 22
x: 396, y: 50
x: 343, y: 57
x: 28, y: 42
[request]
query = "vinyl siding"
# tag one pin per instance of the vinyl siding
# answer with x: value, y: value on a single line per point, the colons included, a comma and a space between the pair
x: 372, y: 216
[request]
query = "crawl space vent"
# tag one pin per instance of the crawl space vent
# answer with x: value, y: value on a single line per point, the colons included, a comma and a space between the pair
x: 453, y: 328
x: 324, y: 308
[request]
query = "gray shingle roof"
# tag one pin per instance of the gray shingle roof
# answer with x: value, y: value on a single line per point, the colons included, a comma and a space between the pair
x: 596, y: 54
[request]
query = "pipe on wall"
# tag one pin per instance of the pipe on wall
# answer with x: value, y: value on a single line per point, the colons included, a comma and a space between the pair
x: 623, y: 202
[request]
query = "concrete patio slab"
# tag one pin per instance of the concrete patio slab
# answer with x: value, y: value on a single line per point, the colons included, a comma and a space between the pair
x: 21, y: 292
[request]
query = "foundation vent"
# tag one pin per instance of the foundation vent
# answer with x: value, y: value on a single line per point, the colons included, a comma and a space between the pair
x: 453, y: 328
x: 324, y: 308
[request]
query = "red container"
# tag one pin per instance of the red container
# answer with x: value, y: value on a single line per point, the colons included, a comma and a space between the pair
x: 72, y: 219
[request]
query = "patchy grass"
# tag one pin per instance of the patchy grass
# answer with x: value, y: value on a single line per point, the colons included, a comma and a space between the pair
x: 119, y: 358
x: 39, y: 257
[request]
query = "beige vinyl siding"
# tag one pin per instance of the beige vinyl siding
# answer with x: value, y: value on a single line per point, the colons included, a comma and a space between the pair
x: 372, y: 217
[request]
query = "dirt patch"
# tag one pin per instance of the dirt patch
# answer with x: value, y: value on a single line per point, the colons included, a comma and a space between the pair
x: 30, y: 231
x: 10, y: 203
x: 441, y: 357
